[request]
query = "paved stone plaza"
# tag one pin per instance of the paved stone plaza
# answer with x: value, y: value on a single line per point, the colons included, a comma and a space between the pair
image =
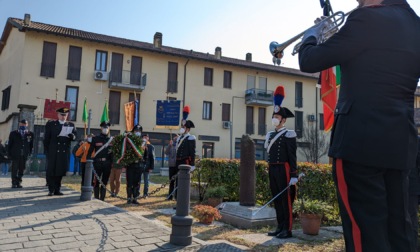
x: 32, y: 221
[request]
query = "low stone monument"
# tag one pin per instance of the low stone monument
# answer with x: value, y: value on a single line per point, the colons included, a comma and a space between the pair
x: 240, y: 214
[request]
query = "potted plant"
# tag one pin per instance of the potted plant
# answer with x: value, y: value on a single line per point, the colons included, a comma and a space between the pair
x: 214, y: 195
x: 205, y: 214
x: 310, y: 214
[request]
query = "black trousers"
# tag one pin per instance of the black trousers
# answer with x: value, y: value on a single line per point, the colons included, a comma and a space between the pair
x: 174, y: 183
x: 54, y: 183
x: 133, y: 174
x: 103, y: 169
x: 413, y: 209
x: 373, y: 207
x: 18, y: 167
x: 279, y: 176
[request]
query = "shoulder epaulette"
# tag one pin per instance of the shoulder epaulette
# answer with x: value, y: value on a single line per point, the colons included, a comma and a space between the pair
x: 191, y: 137
x: 290, y: 134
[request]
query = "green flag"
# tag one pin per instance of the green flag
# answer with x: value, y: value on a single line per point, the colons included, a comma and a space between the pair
x: 85, y: 112
x: 105, y: 114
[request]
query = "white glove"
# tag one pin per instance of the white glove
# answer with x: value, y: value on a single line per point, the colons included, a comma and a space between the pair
x: 293, y: 181
x: 316, y: 31
x: 192, y: 168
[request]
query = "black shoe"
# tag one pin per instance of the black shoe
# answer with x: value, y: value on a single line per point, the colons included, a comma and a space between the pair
x: 113, y: 195
x: 18, y: 186
x: 14, y: 186
x: 58, y: 193
x: 274, y: 233
x: 50, y: 194
x: 129, y: 201
x: 135, y: 202
x: 284, y: 234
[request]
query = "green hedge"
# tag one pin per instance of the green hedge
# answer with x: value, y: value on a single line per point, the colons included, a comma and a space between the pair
x: 317, y: 184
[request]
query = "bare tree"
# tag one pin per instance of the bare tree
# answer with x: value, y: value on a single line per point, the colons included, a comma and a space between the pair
x: 316, y: 148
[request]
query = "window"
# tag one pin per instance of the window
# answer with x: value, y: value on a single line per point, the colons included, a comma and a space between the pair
x: 262, y: 83
x: 116, y: 68
x: 249, y: 121
x: 262, y: 126
x: 48, y: 59
x: 321, y: 121
x: 250, y: 82
x: 208, y: 76
x: 114, y: 107
x: 207, y: 150
x: 227, y: 79
x: 101, y: 60
x: 225, y: 112
x: 299, y: 123
x: 298, y: 94
x: 75, y: 61
x: 135, y: 73
x: 72, y: 95
x: 5, y: 100
x: 172, y: 77
x: 207, y: 110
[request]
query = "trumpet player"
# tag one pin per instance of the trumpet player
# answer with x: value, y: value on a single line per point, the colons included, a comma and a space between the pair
x: 374, y: 138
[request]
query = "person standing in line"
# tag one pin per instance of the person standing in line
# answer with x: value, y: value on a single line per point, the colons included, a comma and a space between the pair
x: 76, y: 162
x: 102, y: 160
x: 134, y: 171
x: 83, y: 151
x: 57, y: 141
x: 115, y: 178
x: 3, y: 159
x: 20, y: 147
x: 149, y: 164
x: 170, y: 152
x: 374, y: 137
x: 185, y: 144
x: 281, y: 149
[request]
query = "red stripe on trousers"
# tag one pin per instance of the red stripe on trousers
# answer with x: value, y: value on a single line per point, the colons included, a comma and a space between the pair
x: 342, y: 189
x: 289, y: 200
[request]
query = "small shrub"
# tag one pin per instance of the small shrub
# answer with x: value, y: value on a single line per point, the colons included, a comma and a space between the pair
x: 216, y: 192
x: 204, y: 211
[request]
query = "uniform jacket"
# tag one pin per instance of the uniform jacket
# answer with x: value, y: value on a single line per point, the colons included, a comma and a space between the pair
x: 97, y: 143
x: 149, y: 157
x: 185, y: 145
x: 57, y: 148
x: 20, y: 147
x: 414, y: 176
x: 283, y: 149
x: 378, y: 50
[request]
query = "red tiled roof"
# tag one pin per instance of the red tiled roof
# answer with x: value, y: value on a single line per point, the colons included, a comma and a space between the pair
x: 100, y: 38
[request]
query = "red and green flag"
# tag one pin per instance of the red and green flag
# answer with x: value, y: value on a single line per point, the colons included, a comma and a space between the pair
x: 105, y: 113
x: 330, y: 79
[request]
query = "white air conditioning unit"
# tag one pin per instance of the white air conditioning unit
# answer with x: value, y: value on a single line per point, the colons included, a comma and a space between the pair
x: 226, y: 124
x: 311, y: 118
x: 100, y: 75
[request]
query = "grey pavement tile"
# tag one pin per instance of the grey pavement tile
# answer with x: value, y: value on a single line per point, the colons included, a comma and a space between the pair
x: 7, y: 235
x: 124, y: 244
x: 31, y: 244
x: 66, y: 234
x: 144, y: 248
x: 37, y: 249
x: 67, y: 246
x: 28, y: 233
x: 11, y: 246
x: 94, y: 248
x: 13, y: 240
x: 123, y: 238
x: 54, y: 230
x: 40, y: 237
x: 96, y: 236
x: 147, y: 241
x: 63, y: 240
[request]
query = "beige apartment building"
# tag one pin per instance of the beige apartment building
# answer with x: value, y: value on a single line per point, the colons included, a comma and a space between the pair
x: 228, y: 97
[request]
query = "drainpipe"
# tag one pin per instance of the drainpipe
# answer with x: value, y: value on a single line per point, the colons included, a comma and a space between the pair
x: 185, y: 80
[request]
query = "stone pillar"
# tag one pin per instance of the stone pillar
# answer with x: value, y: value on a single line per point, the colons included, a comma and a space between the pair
x: 247, y: 172
x: 87, y: 186
x: 181, y: 222
x: 27, y: 112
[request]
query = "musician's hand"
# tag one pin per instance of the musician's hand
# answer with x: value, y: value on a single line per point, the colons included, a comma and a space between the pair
x: 293, y: 181
x: 316, y: 31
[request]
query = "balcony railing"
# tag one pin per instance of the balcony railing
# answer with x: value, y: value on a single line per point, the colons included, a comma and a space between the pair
x: 259, y: 97
x: 127, y: 80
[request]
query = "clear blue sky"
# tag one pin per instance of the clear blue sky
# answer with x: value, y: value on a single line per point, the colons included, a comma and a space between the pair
x: 237, y: 26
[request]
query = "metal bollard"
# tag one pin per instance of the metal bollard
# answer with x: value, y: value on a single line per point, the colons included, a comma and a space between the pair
x: 87, y: 187
x: 182, y: 221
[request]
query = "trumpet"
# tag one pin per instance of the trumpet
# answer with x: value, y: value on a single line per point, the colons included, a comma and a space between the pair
x: 331, y: 26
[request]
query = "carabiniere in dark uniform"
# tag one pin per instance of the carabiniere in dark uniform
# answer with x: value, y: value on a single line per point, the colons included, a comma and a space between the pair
x: 102, y: 161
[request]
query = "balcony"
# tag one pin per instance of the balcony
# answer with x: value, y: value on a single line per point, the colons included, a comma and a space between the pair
x: 259, y: 97
x: 127, y: 80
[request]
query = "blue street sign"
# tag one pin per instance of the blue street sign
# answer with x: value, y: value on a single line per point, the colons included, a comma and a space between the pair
x: 167, y: 113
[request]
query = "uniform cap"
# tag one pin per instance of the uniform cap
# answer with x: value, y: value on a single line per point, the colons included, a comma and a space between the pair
x: 138, y: 127
x: 62, y: 110
x: 105, y: 124
x: 24, y: 121
x: 278, y: 98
